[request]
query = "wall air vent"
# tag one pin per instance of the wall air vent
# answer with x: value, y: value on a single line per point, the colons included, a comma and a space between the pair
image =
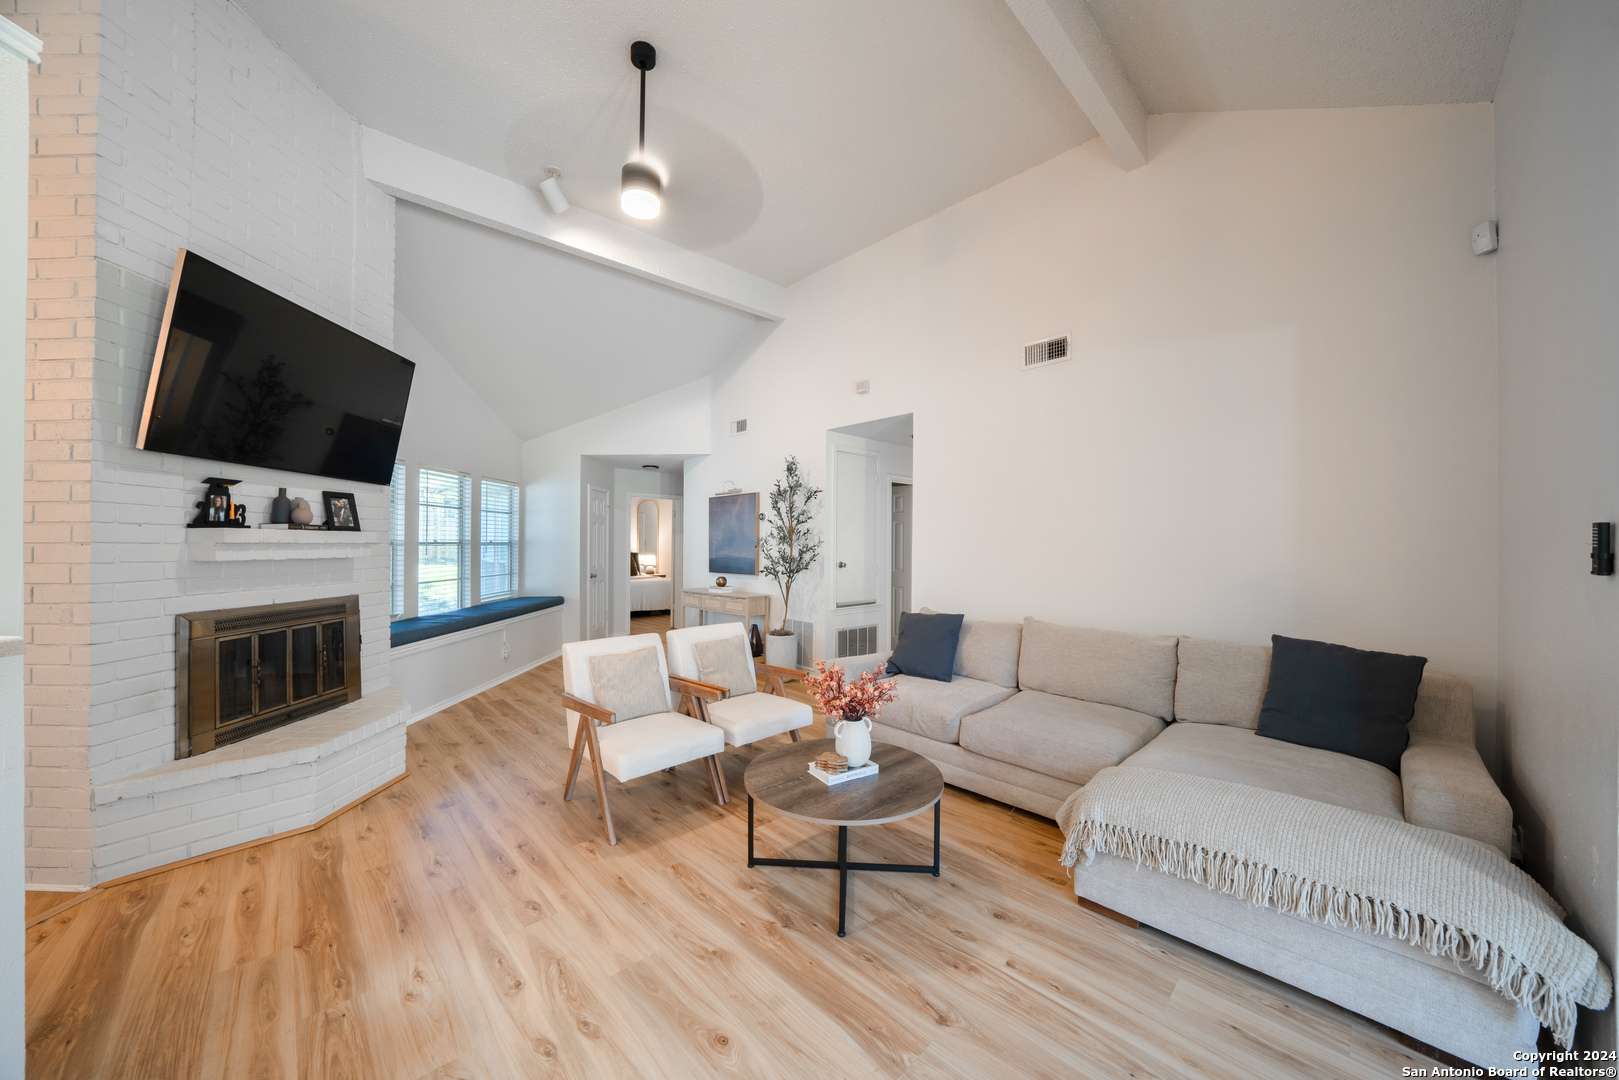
x: 1041, y: 353
x: 857, y: 641
x: 739, y: 427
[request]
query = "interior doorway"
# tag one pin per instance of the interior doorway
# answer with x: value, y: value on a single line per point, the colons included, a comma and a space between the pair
x: 899, y: 579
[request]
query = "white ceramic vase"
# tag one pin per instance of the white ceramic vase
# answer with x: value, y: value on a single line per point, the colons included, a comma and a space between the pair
x: 853, y: 740
x: 781, y: 650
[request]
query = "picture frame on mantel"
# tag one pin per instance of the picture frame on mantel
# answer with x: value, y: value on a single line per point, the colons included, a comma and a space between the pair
x: 733, y: 533
x: 342, y: 513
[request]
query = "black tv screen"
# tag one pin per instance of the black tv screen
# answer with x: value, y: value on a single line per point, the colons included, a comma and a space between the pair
x: 248, y: 377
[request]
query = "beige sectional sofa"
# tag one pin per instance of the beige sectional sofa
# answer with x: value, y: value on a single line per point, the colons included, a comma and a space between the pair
x: 1035, y: 710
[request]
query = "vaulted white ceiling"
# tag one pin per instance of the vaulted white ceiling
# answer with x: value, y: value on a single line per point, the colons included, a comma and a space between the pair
x: 792, y: 135
x: 548, y: 339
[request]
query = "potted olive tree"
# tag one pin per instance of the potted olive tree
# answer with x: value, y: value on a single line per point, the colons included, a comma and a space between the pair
x: 787, y: 549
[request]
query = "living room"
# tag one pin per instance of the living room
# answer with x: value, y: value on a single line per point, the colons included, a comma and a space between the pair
x: 1333, y: 295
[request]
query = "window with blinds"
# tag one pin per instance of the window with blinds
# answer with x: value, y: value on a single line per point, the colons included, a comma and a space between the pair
x: 443, y: 542
x: 396, y: 543
x: 497, y: 541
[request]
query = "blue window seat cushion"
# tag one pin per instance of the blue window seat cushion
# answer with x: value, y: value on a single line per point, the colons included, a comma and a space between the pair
x: 408, y: 631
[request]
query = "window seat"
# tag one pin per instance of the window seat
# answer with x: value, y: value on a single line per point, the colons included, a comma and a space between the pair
x: 407, y: 631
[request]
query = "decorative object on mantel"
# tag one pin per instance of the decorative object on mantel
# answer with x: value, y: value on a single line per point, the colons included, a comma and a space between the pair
x: 280, y: 508
x: 301, y: 513
x: 789, y: 548
x: 340, y: 510
x: 850, y: 707
x: 217, y: 509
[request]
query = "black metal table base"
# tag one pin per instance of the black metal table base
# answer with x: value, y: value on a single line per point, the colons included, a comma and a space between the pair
x: 843, y: 865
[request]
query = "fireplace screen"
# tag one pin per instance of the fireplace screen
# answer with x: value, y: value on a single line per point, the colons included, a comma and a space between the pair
x: 243, y: 671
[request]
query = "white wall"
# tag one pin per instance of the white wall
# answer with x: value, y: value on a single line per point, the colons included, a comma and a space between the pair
x: 1557, y: 179
x: 448, y: 425
x: 1280, y: 416
x: 675, y: 422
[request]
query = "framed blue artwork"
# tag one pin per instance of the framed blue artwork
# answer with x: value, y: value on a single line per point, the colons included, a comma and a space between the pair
x: 733, y: 533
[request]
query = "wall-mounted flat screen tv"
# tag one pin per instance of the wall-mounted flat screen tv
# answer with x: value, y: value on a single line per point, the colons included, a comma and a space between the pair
x: 248, y: 377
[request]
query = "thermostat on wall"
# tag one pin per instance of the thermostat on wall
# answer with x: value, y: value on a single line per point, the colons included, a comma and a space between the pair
x: 1484, y: 238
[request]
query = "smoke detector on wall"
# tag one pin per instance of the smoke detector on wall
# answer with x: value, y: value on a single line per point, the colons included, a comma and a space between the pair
x: 1040, y: 353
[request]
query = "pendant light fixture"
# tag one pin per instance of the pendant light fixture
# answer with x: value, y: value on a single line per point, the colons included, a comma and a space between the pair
x: 642, y: 195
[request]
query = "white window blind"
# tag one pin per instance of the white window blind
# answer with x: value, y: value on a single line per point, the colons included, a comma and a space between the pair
x: 444, y: 542
x: 396, y: 542
x: 497, y: 541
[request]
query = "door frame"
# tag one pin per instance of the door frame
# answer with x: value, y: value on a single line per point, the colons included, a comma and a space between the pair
x: 893, y: 616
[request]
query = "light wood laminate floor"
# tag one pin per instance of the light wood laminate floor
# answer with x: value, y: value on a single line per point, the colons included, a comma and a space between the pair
x: 467, y: 922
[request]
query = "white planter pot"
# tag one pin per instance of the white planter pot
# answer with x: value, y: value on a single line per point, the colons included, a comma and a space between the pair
x: 781, y: 650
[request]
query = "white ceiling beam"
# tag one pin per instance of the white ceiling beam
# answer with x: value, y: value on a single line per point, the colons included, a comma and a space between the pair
x: 429, y: 179
x: 1073, y: 45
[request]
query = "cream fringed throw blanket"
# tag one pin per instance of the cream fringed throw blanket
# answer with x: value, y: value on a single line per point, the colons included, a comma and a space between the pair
x: 1445, y: 894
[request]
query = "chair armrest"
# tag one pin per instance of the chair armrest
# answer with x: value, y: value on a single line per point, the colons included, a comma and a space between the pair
x: 587, y: 708
x: 786, y: 674
x: 1446, y: 786
x: 706, y: 691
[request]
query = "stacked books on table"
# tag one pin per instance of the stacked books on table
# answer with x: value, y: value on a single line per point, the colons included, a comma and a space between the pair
x: 833, y: 769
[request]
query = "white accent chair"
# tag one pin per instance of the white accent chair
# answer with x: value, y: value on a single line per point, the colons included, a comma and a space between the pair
x: 626, y: 749
x: 745, y: 716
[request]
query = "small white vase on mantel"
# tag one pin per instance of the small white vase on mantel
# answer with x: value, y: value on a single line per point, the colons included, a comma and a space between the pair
x: 853, y: 740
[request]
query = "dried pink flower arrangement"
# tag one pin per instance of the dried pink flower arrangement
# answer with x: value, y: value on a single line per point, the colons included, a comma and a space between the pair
x: 841, y: 699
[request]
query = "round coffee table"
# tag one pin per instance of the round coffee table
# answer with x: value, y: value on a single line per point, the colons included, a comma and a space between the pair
x: 905, y: 785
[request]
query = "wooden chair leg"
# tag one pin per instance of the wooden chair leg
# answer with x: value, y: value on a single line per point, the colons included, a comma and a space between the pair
x: 578, y: 752
x: 717, y: 773
x: 796, y: 736
x: 601, y: 785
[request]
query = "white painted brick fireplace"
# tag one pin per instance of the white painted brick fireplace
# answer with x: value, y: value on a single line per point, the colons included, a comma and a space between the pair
x: 156, y: 126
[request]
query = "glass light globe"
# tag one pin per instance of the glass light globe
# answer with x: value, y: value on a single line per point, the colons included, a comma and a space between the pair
x: 639, y: 203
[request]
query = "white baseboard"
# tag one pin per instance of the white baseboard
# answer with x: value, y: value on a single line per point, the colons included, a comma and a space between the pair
x: 423, y: 714
x: 58, y: 888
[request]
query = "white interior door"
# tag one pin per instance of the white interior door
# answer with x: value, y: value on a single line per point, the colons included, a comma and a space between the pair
x: 596, y: 590
x: 857, y: 528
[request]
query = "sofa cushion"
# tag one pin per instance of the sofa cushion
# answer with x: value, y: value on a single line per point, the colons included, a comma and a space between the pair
x: 1060, y: 736
x: 1132, y: 671
x: 988, y: 651
x: 1333, y: 697
x: 1240, y: 756
x: 926, y: 646
x: 1220, y: 682
x: 934, y: 709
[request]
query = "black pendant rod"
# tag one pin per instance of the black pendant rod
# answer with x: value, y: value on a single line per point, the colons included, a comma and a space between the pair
x: 644, y: 57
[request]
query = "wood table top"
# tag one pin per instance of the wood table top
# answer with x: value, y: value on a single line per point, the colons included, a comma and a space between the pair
x: 906, y: 784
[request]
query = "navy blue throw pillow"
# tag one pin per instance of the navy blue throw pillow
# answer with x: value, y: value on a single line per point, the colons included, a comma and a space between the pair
x: 1336, y: 698
x: 926, y: 647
